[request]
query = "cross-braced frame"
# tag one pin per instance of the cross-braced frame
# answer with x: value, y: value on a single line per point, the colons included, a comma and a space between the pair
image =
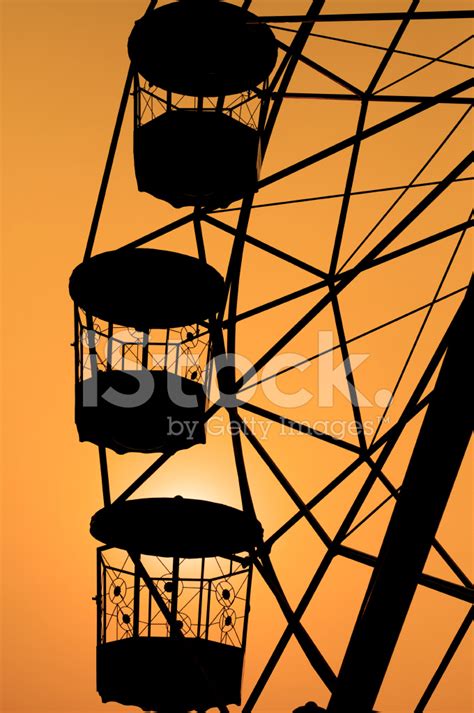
x: 428, y: 392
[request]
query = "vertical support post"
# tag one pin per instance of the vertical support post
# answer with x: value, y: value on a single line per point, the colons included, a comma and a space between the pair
x: 199, y: 236
x: 264, y: 104
x: 104, y: 474
x: 174, y: 599
x: 245, y: 494
x: 91, y: 345
x: 228, y: 386
x: 430, y: 476
x: 136, y: 602
x: 208, y: 609
x: 201, y: 588
x: 145, y: 348
x: 136, y: 101
x: 104, y: 608
x: 262, y: 118
x: 247, y: 606
x: 177, y: 349
x: 77, y: 346
x: 90, y: 387
x: 98, y: 597
x: 109, y: 163
x: 166, y: 348
x: 80, y: 349
x: 110, y: 343
x: 149, y: 613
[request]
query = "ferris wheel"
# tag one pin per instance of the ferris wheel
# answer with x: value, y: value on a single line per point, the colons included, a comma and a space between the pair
x: 333, y: 346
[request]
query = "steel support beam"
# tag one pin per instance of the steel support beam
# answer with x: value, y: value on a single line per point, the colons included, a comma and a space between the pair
x: 369, y: 16
x: 407, y: 98
x: 430, y: 476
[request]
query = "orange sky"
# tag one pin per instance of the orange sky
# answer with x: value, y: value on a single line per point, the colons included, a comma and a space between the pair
x: 63, y: 71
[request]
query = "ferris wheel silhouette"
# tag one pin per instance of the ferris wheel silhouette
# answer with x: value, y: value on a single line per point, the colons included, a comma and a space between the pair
x: 157, y: 337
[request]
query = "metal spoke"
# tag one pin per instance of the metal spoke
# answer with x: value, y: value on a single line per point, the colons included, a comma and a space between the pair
x: 367, y: 260
x: 419, y: 69
x: 267, y: 248
x: 335, y: 347
x: 369, y: 45
x: 322, y: 70
x: 284, y: 482
x: 447, y: 658
x: 405, y: 189
x: 367, y: 133
x: 371, y: 16
x: 311, y: 199
x: 422, y: 327
x: 297, y: 426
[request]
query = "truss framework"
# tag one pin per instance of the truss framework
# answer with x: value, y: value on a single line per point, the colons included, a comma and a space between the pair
x: 327, y: 288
